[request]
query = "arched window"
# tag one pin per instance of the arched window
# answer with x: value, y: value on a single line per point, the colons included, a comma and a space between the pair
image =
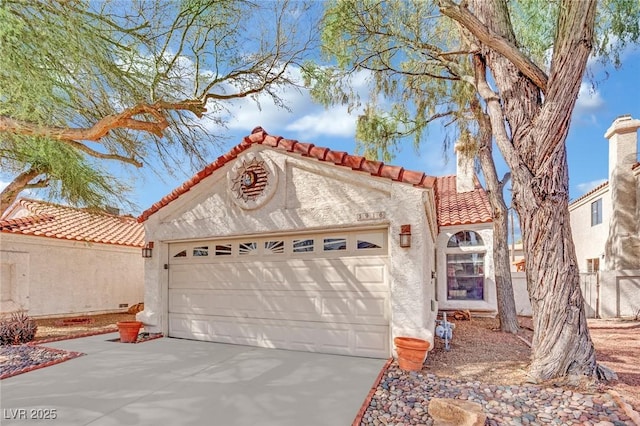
x: 465, y: 268
x: 465, y: 239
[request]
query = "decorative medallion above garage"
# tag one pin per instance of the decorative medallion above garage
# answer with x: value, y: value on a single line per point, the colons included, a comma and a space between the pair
x: 252, y: 181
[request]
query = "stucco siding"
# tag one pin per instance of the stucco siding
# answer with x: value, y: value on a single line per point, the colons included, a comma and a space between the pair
x: 309, y: 196
x: 590, y: 240
x: 64, y: 277
x: 619, y: 293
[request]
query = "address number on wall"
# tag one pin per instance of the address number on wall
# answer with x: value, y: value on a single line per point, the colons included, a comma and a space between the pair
x: 371, y: 216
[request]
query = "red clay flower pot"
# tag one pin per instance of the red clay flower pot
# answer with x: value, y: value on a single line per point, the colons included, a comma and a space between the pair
x: 129, y: 331
x: 411, y: 352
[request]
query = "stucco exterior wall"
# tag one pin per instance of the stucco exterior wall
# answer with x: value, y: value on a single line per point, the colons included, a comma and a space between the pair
x: 47, y: 276
x: 619, y: 293
x: 310, y: 196
x: 489, y: 304
x: 590, y: 240
x: 521, y: 294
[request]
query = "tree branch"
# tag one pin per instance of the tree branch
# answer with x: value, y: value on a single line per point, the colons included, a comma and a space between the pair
x: 10, y: 193
x: 124, y: 120
x: 501, y: 45
x: 496, y: 116
x: 42, y: 183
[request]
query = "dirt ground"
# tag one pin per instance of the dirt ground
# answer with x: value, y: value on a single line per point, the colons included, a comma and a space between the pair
x: 49, y: 328
x: 478, y: 351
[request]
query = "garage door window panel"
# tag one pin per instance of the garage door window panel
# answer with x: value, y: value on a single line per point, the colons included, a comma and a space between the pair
x: 335, y: 243
x: 223, y: 249
x: 182, y: 253
x: 249, y: 248
x: 202, y: 251
x: 303, y: 246
x: 370, y: 241
x: 274, y: 247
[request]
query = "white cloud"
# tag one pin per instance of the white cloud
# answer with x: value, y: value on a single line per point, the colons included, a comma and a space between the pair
x: 588, y: 186
x: 589, y: 100
x: 304, y: 118
x: 336, y: 121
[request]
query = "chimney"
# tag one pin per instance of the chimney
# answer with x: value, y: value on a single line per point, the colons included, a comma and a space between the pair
x: 623, y: 143
x: 465, y: 172
x: 620, y: 249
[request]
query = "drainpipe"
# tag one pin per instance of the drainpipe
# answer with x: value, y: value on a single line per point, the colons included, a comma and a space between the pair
x: 597, y: 313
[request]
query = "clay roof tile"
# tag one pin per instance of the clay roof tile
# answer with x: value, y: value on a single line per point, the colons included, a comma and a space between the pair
x: 463, y: 208
x: 70, y: 223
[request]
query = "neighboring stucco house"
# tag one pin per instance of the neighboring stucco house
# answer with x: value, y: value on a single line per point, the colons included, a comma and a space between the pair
x: 289, y: 245
x: 59, y: 260
x: 605, y: 226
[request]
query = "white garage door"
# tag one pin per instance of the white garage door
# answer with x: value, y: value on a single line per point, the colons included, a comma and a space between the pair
x: 320, y: 293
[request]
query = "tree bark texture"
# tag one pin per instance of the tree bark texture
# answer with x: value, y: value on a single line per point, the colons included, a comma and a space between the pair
x: 534, y: 147
x: 507, y: 313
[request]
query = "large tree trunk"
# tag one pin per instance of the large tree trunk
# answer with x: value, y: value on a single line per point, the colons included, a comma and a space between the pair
x: 534, y: 148
x: 561, y: 342
x: 507, y: 313
x: 504, y: 287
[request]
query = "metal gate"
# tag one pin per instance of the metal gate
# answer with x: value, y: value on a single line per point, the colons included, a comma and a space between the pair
x: 589, y: 285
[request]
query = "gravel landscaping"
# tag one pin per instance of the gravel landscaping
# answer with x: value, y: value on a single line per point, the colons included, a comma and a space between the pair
x: 20, y: 359
x: 402, y: 398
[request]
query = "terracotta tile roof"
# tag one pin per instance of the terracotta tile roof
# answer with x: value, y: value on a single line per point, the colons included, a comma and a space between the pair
x: 39, y: 218
x: 357, y: 163
x: 596, y: 189
x: 460, y: 208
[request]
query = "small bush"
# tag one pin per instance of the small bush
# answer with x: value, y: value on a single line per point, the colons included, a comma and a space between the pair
x: 17, y: 329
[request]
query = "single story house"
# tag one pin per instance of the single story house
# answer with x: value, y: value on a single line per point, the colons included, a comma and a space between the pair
x: 60, y: 260
x: 289, y: 245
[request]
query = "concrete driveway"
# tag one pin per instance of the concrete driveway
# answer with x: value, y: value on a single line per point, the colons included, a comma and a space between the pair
x: 182, y: 382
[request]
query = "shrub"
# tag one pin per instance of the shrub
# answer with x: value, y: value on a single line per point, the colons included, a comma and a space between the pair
x: 17, y: 329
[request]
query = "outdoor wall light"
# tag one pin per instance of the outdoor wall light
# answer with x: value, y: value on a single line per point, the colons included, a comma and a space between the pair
x: 147, y: 250
x: 405, y: 235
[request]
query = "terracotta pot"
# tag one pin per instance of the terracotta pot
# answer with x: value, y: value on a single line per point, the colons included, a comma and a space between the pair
x: 411, y: 352
x: 129, y: 331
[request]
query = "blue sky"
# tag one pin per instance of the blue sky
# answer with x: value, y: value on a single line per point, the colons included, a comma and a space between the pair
x: 614, y: 93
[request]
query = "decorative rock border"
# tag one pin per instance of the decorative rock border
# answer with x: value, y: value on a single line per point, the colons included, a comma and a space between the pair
x: 400, y: 397
x: 34, y: 357
x: 372, y: 391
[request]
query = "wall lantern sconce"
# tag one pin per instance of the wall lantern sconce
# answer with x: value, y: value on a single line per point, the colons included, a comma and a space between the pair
x: 405, y: 236
x: 147, y: 250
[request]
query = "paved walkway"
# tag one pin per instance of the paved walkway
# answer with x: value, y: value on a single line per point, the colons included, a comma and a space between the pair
x: 182, y: 382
